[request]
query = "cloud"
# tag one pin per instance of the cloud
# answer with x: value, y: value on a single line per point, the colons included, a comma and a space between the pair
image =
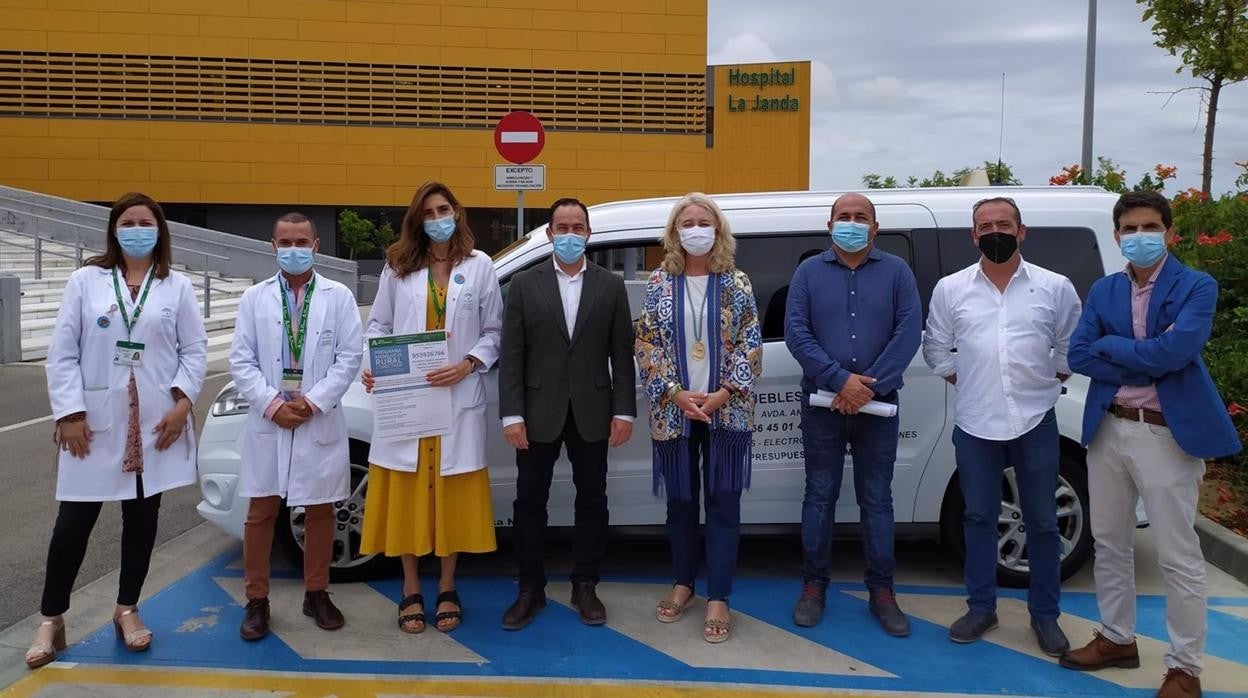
x: 906, y: 88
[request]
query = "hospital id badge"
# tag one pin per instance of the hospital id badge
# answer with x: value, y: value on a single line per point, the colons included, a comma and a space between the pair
x: 292, y: 379
x: 128, y: 354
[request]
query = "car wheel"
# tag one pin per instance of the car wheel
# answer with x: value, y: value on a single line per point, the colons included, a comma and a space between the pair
x: 1073, y: 525
x: 347, y: 564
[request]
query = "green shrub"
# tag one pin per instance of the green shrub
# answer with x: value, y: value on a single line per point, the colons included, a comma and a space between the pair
x: 1213, y: 237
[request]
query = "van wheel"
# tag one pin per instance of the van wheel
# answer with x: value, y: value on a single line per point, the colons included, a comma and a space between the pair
x: 346, y: 565
x: 1073, y: 525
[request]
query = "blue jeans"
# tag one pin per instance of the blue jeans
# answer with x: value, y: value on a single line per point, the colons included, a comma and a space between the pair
x: 873, y: 443
x: 1034, y: 456
x: 723, y: 524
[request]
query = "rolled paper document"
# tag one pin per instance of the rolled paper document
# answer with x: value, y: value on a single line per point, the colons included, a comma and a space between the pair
x: 824, y: 398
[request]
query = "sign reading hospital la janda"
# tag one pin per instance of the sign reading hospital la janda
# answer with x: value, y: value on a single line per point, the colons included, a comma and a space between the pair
x: 760, y: 81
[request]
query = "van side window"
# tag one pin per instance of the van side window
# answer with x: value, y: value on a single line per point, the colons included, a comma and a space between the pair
x: 771, y: 261
x: 1071, y: 252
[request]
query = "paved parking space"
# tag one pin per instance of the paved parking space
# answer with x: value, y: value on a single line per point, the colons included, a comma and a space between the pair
x: 198, y: 651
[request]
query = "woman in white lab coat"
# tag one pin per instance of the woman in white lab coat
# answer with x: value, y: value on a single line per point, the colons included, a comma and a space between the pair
x: 432, y: 495
x: 126, y: 362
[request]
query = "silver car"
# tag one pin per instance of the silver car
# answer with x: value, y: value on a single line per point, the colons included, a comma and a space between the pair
x: 1069, y: 231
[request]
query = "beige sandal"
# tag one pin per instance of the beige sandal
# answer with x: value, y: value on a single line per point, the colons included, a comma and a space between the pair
x: 136, y: 640
x: 715, y: 630
x: 670, y: 611
x: 43, y: 652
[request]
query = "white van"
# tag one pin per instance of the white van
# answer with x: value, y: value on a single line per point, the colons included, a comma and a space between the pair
x: 1069, y: 231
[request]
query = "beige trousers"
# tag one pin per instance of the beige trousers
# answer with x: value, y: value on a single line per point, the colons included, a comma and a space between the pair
x: 1129, y: 459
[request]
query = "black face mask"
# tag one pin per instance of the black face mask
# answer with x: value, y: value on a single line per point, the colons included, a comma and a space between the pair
x: 998, y: 247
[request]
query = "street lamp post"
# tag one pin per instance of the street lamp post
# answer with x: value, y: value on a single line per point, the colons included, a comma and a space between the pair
x: 1089, y: 88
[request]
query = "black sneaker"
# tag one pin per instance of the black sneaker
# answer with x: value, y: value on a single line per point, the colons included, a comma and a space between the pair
x: 972, y: 626
x: 809, y: 608
x: 884, y: 607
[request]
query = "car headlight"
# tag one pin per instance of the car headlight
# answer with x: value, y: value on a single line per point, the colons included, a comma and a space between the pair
x: 230, y: 402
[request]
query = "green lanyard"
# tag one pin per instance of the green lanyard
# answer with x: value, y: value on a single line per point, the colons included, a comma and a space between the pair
x: 439, y: 309
x: 121, y: 303
x: 296, y: 345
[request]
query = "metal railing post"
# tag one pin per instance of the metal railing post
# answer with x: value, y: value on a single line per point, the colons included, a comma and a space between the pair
x: 78, y: 252
x: 207, y: 289
x: 38, y: 257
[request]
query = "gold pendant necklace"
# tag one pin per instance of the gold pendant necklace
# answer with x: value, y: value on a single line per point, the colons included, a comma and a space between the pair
x: 699, y: 349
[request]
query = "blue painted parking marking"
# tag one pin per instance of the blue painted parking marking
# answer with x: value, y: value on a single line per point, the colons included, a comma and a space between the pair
x: 196, y: 623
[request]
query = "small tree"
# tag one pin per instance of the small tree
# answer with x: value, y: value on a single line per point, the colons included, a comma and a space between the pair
x: 358, y: 234
x: 386, y: 236
x: 1210, y: 37
x: 875, y: 181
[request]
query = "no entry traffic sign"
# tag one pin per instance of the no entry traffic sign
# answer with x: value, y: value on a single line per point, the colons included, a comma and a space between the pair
x: 519, y: 137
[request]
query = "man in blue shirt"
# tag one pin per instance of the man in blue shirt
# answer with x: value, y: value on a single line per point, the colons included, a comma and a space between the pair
x: 853, y: 322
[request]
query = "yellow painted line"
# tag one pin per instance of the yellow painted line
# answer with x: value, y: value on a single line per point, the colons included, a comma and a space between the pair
x: 371, y: 687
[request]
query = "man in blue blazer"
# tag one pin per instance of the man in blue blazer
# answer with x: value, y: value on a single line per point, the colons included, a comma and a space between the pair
x: 1151, y: 418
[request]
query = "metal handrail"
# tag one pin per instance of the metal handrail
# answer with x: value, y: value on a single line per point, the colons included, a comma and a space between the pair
x: 104, y: 219
x: 79, y: 248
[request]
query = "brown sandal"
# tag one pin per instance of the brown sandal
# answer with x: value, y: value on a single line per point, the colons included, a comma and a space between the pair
x: 670, y: 611
x: 407, y: 602
x: 43, y: 652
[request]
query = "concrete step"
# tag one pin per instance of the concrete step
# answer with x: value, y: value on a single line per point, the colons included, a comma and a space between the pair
x: 49, y: 308
x: 35, y: 347
x: 39, y: 326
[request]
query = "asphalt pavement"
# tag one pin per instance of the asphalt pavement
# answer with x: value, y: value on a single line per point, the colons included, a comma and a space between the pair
x: 28, y: 494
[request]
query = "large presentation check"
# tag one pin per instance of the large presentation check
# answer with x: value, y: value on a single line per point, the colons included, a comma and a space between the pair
x: 405, y: 406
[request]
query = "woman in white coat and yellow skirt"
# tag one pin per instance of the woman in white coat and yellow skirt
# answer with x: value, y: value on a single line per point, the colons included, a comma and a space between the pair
x: 126, y: 362
x: 432, y: 495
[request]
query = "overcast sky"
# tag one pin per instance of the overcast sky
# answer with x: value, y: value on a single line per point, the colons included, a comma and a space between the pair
x: 906, y: 87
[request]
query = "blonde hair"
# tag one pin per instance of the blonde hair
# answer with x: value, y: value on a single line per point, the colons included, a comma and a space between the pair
x: 722, y: 253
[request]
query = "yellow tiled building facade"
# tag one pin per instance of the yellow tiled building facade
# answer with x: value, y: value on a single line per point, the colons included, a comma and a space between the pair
x: 239, y: 105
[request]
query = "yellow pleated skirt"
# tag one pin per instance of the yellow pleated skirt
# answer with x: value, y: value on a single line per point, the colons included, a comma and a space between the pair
x: 424, y: 512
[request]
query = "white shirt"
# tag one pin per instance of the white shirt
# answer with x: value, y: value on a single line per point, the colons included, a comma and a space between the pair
x: 696, y: 304
x: 1009, y: 347
x: 570, y: 286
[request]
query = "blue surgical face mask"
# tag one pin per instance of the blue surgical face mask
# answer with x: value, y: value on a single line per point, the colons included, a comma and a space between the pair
x: 569, y: 247
x: 138, y: 241
x: 294, y: 260
x: 440, y: 229
x: 1143, y: 249
x: 850, y: 236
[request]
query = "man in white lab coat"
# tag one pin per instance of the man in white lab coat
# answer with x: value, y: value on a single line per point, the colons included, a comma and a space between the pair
x: 297, y: 348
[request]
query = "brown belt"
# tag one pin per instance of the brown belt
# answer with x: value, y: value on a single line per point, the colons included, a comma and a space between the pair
x: 1138, y: 414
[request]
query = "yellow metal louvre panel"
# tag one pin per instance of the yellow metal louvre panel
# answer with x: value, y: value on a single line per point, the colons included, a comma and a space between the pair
x: 257, y: 90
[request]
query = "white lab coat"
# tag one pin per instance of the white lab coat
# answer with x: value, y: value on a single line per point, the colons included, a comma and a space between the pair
x: 82, y: 377
x: 474, y: 323
x: 310, y: 464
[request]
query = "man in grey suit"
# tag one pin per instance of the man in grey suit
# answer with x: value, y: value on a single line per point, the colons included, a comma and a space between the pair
x: 567, y: 322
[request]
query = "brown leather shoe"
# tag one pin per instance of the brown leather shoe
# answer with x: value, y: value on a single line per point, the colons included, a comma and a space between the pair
x: 1179, y: 684
x: 317, y: 605
x: 586, y: 602
x: 255, y: 620
x: 528, y: 603
x: 1101, y: 653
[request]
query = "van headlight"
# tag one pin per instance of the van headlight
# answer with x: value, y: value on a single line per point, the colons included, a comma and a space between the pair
x: 229, y: 402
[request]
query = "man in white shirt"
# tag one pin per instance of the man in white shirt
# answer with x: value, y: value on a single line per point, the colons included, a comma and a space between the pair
x: 999, y: 331
x: 565, y: 377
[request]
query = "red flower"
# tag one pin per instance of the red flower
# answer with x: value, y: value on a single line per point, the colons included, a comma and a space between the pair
x: 1235, y: 409
x: 1059, y: 180
x: 1221, y: 238
x: 1165, y: 171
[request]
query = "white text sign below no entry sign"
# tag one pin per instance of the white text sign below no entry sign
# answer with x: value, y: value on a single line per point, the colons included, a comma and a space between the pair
x: 520, y: 177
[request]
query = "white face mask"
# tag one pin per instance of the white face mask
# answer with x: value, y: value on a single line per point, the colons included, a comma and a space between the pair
x: 697, y: 240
